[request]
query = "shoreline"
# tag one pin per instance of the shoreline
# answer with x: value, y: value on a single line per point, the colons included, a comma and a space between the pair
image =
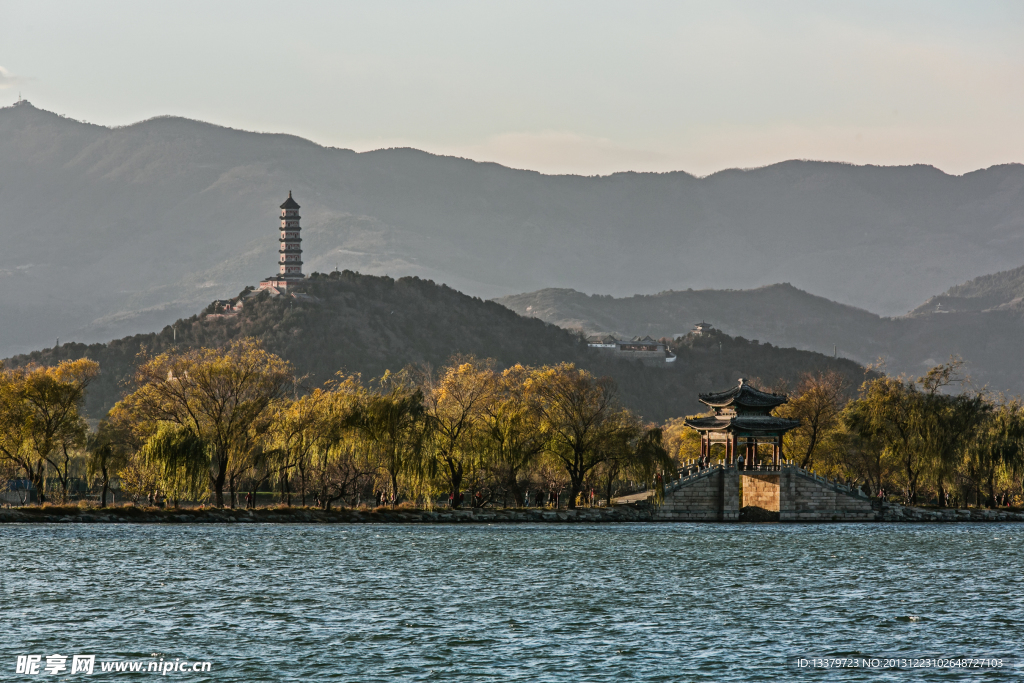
x: 298, y: 515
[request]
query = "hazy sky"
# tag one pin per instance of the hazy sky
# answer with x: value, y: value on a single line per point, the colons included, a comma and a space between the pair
x: 581, y: 87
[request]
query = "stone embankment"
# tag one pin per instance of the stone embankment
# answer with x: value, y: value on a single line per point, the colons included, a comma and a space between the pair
x: 886, y: 512
x: 308, y: 515
x: 891, y: 512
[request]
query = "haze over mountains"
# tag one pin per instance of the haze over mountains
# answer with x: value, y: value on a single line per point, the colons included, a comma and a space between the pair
x: 115, y: 231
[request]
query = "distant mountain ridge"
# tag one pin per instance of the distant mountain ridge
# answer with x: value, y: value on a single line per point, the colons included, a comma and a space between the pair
x: 108, y: 231
x: 998, y: 291
x: 981, y: 321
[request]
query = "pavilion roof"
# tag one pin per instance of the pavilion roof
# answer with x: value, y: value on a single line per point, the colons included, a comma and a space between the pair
x: 744, y: 423
x: 743, y: 395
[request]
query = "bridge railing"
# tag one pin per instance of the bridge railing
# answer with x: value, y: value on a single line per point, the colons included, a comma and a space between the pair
x: 690, y: 472
x: 693, y: 470
x: 834, y: 484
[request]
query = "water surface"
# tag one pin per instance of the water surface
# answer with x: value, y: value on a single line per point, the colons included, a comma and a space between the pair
x: 545, y: 602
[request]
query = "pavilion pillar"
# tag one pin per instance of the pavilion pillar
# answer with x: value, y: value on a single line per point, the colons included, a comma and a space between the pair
x: 780, y: 449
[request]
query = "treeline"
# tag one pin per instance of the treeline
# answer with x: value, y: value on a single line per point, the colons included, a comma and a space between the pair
x: 928, y: 440
x: 211, y: 425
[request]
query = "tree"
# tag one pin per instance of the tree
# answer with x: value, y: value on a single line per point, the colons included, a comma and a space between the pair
x: 221, y: 397
x: 13, y: 432
x: 888, y: 411
x: 455, y: 402
x: 182, y: 460
x: 109, y: 449
x: 999, y: 445
x: 649, y: 460
x: 580, y: 418
x: 392, y: 421
x: 139, y: 476
x: 298, y: 426
x: 42, y: 430
x: 948, y: 426
x: 681, y: 442
x: 317, y: 435
x: 818, y: 404
x: 916, y: 425
x: 511, y: 435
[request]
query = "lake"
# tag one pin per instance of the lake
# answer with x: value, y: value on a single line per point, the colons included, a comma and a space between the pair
x: 544, y: 602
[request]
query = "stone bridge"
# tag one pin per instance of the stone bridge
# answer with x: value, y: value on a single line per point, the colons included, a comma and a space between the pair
x: 719, y: 492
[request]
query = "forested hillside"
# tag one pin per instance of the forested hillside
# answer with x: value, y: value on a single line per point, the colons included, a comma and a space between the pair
x: 980, y: 321
x: 998, y: 291
x: 368, y: 324
x: 109, y: 231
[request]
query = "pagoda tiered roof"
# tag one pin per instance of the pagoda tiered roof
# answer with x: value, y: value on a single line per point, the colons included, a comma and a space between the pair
x: 742, y: 395
x: 290, y: 203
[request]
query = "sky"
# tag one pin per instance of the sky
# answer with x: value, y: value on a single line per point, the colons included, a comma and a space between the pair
x: 560, y: 87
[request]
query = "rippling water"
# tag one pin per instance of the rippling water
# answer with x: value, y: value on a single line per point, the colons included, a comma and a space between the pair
x: 664, y: 602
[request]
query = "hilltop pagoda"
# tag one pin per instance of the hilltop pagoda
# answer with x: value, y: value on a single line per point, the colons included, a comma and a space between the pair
x: 742, y: 421
x: 290, y: 251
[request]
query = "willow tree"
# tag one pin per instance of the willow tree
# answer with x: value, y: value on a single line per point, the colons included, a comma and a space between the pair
x: 297, y: 427
x: 309, y: 430
x: 455, y: 400
x: 648, y: 460
x: 581, y: 419
x: 183, y: 462
x: 42, y: 428
x: 392, y: 423
x: 13, y: 429
x: 338, y: 462
x: 999, y: 446
x: 222, y: 397
x: 949, y: 426
x: 865, y: 450
x: 888, y: 412
x: 512, y: 438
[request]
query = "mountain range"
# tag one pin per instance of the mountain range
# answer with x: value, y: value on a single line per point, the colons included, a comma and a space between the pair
x: 981, y: 321
x: 112, y: 231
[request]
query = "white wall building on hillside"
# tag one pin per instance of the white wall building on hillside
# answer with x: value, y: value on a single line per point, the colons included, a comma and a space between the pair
x: 649, y: 351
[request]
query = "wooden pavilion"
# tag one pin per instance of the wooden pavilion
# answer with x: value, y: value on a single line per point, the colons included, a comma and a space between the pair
x: 742, y: 421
